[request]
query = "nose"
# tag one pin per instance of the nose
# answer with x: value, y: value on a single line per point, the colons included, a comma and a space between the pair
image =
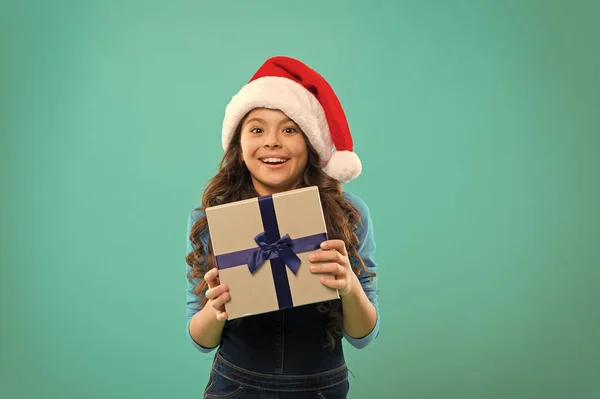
x: 272, y: 140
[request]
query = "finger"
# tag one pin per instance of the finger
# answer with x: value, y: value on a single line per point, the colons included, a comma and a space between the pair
x: 338, y: 245
x: 222, y: 316
x: 332, y: 283
x: 325, y: 256
x: 211, y: 294
x: 220, y: 300
x: 331, y: 268
x: 214, y: 292
x: 211, y: 277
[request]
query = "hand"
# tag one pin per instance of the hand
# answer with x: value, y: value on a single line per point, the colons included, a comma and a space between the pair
x: 217, y: 293
x: 332, y: 258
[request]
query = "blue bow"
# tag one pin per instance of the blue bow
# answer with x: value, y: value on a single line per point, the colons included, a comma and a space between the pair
x: 281, y: 248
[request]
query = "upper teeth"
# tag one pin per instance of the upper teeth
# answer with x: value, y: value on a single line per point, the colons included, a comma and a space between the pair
x: 274, y: 160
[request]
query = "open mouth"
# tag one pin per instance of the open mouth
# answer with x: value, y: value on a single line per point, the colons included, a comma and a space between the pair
x: 274, y: 161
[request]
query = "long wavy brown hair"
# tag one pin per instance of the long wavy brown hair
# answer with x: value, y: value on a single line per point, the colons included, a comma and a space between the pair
x: 233, y: 183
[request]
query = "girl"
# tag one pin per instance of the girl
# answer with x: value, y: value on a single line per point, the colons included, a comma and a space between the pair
x: 278, y: 134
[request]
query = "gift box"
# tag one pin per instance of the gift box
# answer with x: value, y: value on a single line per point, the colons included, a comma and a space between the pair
x: 261, y: 246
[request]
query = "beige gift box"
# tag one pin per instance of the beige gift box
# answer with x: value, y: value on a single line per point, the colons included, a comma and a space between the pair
x: 262, y: 245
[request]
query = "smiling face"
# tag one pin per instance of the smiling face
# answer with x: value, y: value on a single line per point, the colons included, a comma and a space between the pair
x: 274, y: 150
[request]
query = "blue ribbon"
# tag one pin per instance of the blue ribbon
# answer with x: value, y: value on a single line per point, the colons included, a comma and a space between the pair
x: 282, y: 248
x: 246, y: 256
x: 281, y: 251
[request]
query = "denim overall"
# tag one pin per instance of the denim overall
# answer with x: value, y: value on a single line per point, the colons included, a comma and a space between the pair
x: 279, y: 355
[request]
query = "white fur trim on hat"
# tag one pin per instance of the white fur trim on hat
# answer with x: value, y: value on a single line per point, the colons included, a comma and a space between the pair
x: 343, y: 166
x: 291, y: 98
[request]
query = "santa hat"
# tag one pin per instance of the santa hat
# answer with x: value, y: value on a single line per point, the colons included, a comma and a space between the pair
x: 292, y: 87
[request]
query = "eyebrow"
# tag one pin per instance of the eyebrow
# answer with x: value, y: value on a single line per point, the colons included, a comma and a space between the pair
x: 254, y: 120
x: 259, y: 120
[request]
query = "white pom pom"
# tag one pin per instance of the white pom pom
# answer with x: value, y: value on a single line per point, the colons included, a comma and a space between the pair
x: 343, y: 166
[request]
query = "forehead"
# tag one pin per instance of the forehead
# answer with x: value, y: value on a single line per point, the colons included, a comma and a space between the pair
x: 268, y: 115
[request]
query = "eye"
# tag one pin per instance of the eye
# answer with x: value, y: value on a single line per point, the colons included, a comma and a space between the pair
x: 290, y: 130
x: 256, y: 130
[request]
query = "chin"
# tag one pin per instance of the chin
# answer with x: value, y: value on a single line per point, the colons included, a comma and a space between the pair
x: 277, y: 185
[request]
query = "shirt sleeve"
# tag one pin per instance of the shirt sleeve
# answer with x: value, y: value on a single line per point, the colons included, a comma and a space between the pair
x: 193, y: 300
x: 366, y: 250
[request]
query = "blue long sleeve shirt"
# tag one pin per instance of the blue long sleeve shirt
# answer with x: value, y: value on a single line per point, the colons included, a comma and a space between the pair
x: 366, y: 250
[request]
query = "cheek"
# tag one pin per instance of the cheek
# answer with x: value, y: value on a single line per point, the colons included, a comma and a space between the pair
x: 247, y: 147
x: 304, y: 157
x: 300, y: 149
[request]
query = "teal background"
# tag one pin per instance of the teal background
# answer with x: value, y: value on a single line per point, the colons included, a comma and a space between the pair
x: 477, y: 124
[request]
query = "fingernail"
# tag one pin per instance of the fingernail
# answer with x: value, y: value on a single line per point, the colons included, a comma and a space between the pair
x: 311, y: 256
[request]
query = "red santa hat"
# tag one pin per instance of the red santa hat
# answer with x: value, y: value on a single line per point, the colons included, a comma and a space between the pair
x: 301, y: 93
